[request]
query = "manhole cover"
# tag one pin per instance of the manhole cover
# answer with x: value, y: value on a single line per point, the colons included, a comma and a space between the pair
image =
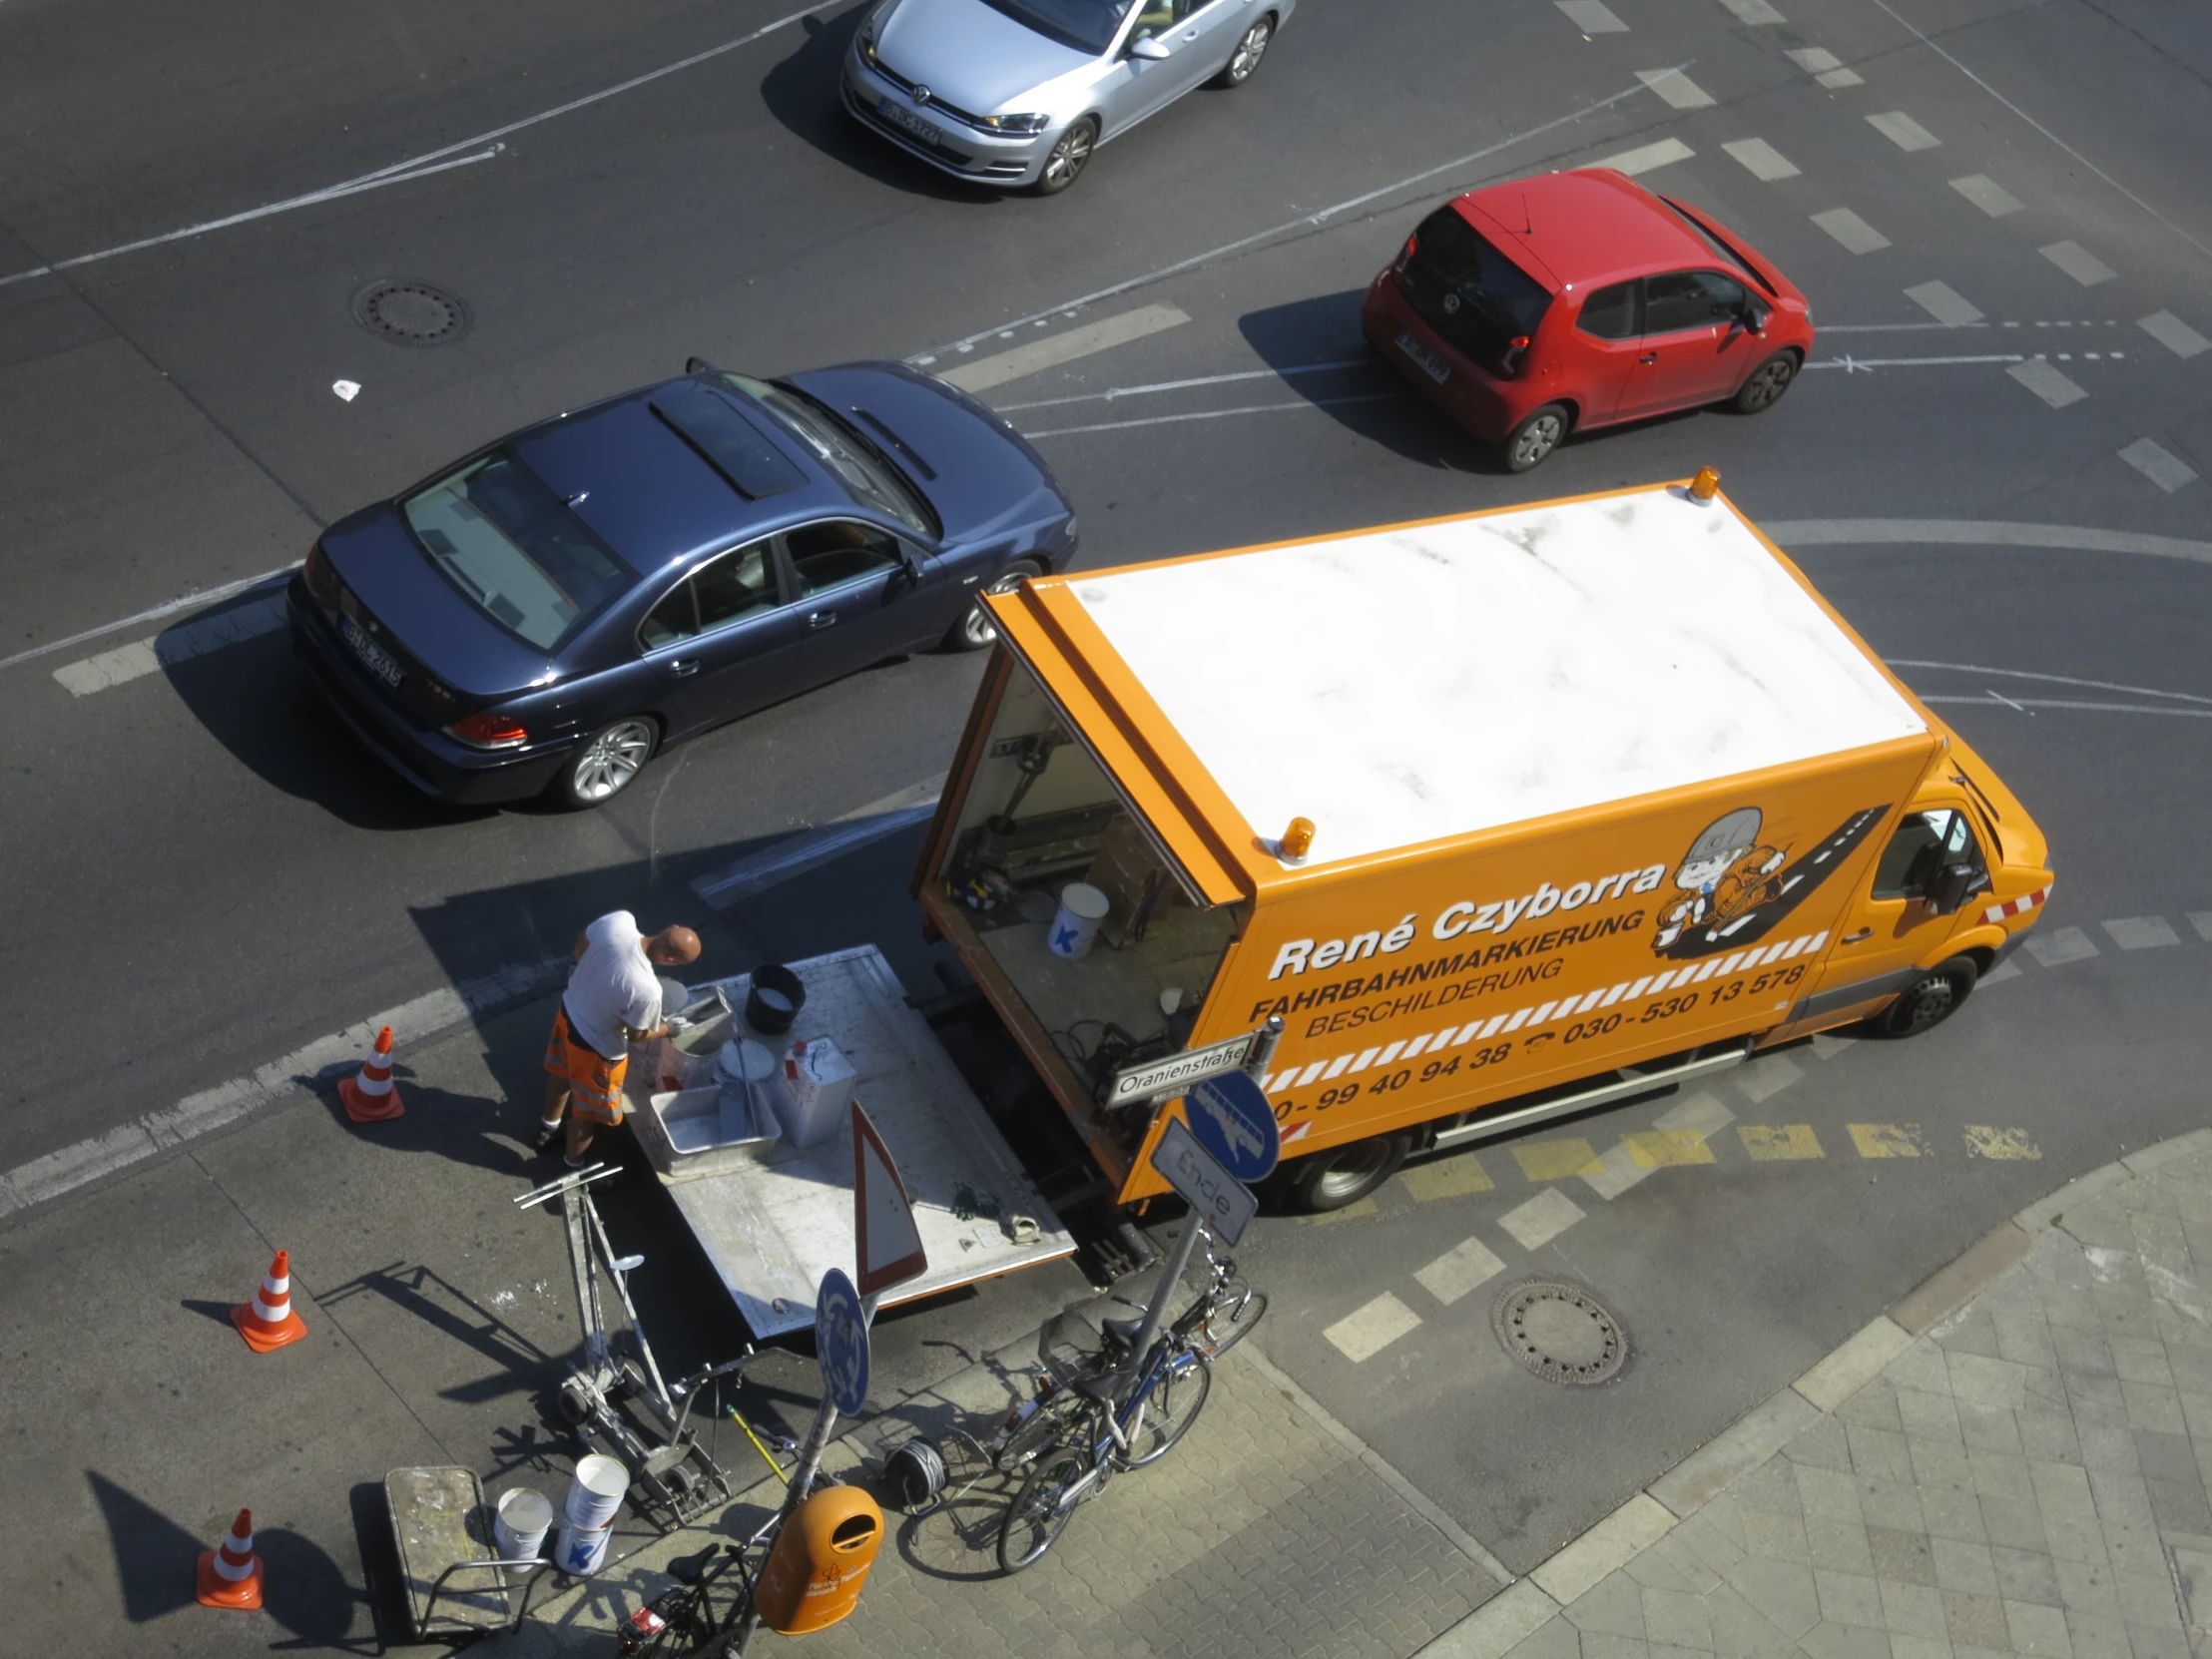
x: 410, y: 313
x: 1559, y: 1332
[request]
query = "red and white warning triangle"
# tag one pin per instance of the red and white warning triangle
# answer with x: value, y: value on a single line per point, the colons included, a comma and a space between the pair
x: 888, y: 1244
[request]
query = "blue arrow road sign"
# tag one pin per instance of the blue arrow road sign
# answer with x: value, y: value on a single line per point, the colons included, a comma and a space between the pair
x: 1233, y: 1120
x: 841, y: 1342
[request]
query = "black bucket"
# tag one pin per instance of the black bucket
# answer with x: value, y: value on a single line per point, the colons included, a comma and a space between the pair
x: 774, y: 999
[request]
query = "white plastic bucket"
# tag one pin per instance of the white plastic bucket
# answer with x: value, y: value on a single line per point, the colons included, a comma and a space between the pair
x: 1082, y: 909
x: 583, y: 1549
x: 595, y: 1496
x: 519, y: 1527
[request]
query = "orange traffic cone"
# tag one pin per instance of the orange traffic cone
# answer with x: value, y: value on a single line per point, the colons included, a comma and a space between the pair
x: 267, y: 1321
x: 370, y: 1097
x: 231, y: 1575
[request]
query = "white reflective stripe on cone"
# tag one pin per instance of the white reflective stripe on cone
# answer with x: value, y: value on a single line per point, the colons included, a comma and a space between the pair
x: 272, y: 1315
x: 278, y: 1289
x: 233, y: 1571
x: 369, y: 1083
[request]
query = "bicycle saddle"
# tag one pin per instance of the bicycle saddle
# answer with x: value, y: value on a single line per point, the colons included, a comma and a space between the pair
x: 689, y: 1569
x: 1104, y: 1390
x: 1123, y: 1331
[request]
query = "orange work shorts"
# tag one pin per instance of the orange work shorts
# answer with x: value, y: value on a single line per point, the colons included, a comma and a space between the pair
x: 594, y: 1081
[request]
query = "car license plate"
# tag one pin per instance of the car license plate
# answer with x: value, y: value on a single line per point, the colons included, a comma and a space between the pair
x: 374, y: 657
x: 1430, y: 365
x: 901, y: 115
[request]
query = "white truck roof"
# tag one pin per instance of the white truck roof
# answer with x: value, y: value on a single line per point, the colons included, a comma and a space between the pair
x: 1406, y: 685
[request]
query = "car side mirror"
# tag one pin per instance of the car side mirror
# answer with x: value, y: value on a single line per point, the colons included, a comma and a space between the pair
x: 1755, y: 320
x: 1152, y: 51
x: 1950, y: 887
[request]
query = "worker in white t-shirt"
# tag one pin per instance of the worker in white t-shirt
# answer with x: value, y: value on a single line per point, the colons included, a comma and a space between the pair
x: 613, y: 1001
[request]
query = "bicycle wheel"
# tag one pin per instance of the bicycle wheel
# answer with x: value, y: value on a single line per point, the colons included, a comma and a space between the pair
x: 1169, y: 1409
x: 1236, y: 1308
x: 1040, y: 1509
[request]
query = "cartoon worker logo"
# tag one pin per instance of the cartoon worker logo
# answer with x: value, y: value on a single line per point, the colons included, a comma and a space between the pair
x: 1736, y: 880
x: 1726, y: 871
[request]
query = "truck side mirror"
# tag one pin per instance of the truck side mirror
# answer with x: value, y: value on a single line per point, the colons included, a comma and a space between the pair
x: 1950, y: 886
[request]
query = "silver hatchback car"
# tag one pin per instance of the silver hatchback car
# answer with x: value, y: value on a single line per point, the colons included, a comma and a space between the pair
x: 1020, y: 93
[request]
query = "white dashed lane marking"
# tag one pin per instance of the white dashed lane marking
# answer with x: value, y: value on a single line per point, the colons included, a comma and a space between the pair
x: 1944, y: 303
x: 1676, y: 88
x: 1592, y: 17
x: 1988, y: 194
x: 2046, y: 382
x: 1366, y: 1331
x: 1857, y: 236
x: 175, y: 645
x: 2159, y: 465
x: 2201, y: 920
x: 2078, y: 263
x: 1542, y: 1218
x: 1457, y: 1271
x: 1767, y: 1076
x: 2141, y: 932
x: 1762, y: 160
x: 2059, y: 946
x: 1647, y: 157
x: 1702, y: 1114
x: 981, y: 374
x: 1824, y: 67
x: 2174, y: 334
x: 1904, y: 132
x: 1754, y: 12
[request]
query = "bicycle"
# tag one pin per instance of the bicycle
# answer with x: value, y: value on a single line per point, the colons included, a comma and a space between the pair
x: 1227, y: 1309
x: 1107, y: 1430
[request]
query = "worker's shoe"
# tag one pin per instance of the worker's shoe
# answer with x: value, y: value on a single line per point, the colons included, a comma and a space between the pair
x: 547, y: 1134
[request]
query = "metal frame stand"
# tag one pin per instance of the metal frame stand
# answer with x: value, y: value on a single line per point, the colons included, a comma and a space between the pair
x: 665, y: 1456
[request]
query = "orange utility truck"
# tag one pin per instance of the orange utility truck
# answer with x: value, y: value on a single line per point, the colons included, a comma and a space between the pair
x: 1448, y: 828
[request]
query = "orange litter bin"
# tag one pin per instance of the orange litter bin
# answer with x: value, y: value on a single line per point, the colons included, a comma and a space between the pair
x: 821, y: 1560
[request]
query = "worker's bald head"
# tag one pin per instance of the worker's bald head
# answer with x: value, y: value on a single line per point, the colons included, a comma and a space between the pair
x: 673, y: 946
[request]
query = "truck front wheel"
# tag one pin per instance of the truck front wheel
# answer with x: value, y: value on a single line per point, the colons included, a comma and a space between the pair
x: 1343, y: 1175
x: 1929, y: 1000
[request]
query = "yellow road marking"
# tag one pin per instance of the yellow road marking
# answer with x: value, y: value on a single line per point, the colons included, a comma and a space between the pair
x: 1554, y: 1160
x: 1887, y: 1140
x: 1448, y: 1177
x: 1988, y: 1141
x: 1668, y: 1148
x: 1779, y: 1142
x: 1351, y: 1212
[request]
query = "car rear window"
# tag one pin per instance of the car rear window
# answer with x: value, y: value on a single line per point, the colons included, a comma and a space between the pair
x: 727, y: 441
x: 1716, y: 245
x: 1469, y: 291
x: 499, y: 535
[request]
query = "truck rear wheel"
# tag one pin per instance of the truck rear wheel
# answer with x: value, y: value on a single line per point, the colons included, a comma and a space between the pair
x: 1928, y: 1000
x: 1343, y: 1173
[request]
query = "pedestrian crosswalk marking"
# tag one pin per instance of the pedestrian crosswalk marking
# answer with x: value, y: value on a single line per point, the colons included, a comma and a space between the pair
x: 2141, y: 932
x: 1668, y: 1148
x: 1887, y: 1139
x: 1448, y: 1177
x: 1554, y: 1160
x: 1773, y: 1143
x: 1988, y: 1141
x: 1615, y: 1171
x: 1366, y: 1331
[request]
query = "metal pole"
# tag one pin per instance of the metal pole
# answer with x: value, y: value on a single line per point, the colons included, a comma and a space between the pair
x: 1170, y: 1277
x: 1264, y: 1044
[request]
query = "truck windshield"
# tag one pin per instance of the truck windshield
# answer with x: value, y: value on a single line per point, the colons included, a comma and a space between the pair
x: 1470, y: 291
x: 498, y: 534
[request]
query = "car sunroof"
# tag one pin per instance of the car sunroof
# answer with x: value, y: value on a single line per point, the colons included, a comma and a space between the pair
x: 727, y: 441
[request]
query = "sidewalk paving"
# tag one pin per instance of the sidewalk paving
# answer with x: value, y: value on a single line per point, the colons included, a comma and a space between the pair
x: 2013, y: 1461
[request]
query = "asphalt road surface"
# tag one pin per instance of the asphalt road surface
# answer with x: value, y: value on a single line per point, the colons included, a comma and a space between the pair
x: 1992, y: 467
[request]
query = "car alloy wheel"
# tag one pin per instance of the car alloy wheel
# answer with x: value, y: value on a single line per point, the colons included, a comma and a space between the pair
x: 1068, y: 158
x: 1250, y: 50
x: 1929, y: 1002
x: 975, y: 629
x: 1767, y: 383
x: 1536, y: 438
x: 608, y: 761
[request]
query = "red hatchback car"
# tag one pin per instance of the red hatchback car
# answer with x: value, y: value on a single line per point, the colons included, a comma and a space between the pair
x: 1530, y: 309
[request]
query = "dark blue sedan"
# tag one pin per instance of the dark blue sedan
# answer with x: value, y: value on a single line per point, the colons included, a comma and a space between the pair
x: 548, y: 614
